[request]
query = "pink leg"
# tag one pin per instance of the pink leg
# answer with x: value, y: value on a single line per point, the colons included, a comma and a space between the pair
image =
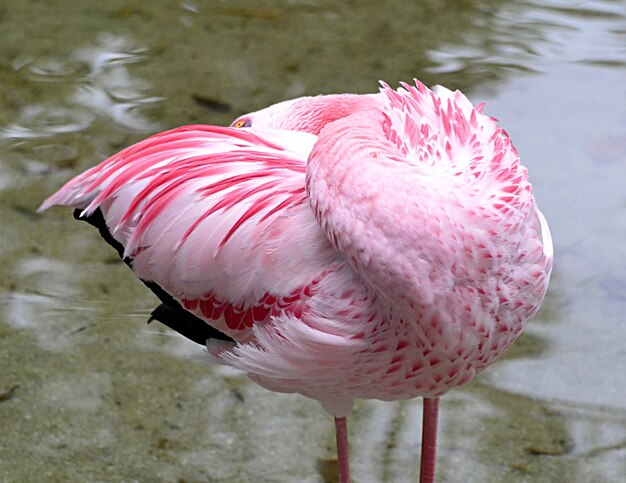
x: 429, y: 440
x: 343, y: 458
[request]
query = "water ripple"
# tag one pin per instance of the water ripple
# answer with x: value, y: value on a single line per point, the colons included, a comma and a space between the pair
x: 102, y: 86
x: 57, y: 325
x: 528, y: 36
x: 50, y: 69
x: 38, y: 121
x: 112, y: 91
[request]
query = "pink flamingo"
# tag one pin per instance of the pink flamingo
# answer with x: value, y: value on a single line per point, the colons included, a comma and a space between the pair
x: 383, y: 246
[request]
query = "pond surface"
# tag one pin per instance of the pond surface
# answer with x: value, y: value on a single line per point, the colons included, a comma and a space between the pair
x: 89, y: 392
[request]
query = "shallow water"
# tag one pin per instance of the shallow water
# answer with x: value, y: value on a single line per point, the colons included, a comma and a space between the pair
x: 88, y: 392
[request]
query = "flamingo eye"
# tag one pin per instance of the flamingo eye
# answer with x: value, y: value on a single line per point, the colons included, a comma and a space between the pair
x: 244, y: 122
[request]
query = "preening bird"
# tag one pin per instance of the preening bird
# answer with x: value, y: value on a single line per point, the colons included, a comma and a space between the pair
x: 382, y: 246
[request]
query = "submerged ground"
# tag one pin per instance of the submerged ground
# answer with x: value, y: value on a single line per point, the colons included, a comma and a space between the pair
x: 88, y: 392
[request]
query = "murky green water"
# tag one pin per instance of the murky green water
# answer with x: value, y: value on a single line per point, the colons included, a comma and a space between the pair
x: 88, y: 392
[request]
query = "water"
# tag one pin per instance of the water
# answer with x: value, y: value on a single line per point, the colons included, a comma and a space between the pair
x: 88, y: 392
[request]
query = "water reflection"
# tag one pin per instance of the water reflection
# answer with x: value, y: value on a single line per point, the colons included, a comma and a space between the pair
x: 46, y: 309
x: 512, y: 38
x: 50, y: 69
x: 48, y: 120
x: 102, y: 84
x: 112, y: 90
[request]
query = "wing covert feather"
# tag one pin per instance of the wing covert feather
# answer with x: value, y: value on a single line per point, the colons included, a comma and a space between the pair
x: 211, y: 213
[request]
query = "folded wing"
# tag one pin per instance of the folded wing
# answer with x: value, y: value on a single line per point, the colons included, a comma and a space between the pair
x: 216, y: 217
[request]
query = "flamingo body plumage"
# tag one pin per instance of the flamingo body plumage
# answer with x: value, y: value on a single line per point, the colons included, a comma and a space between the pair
x: 381, y: 246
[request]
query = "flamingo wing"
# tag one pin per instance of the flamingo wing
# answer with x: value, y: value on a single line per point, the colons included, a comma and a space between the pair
x: 218, y: 218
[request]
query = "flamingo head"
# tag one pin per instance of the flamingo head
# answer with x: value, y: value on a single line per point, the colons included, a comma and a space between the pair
x: 308, y: 114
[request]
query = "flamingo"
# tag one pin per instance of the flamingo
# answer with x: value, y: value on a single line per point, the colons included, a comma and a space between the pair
x: 381, y: 246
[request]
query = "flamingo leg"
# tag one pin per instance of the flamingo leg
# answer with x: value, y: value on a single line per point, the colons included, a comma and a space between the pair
x: 343, y: 457
x: 429, y: 440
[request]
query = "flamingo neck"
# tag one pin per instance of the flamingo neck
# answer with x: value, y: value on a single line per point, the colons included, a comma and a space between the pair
x: 364, y: 202
x: 311, y: 114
